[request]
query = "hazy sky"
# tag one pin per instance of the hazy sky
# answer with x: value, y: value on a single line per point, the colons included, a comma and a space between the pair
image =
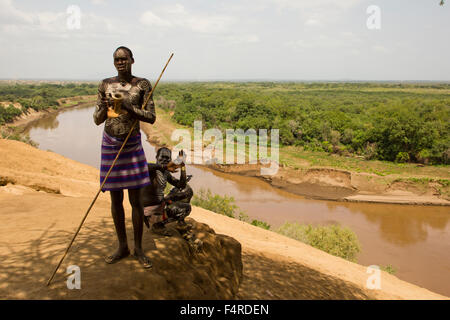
x: 229, y: 40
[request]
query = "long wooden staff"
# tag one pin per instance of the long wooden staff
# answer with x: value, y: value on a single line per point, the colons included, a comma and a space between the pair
x: 106, y: 177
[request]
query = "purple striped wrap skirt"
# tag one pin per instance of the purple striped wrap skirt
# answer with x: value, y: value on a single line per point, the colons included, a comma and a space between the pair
x: 130, y: 170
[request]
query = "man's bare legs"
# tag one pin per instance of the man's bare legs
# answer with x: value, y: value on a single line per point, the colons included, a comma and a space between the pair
x: 118, y: 215
x: 138, y: 225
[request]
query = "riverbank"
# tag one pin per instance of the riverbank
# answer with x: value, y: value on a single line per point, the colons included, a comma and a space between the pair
x: 16, y: 130
x: 333, y: 177
x: 31, y: 115
x: 46, y: 194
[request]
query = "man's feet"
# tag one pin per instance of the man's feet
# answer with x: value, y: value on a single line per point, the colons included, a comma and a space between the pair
x: 160, y: 229
x: 118, y: 255
x: 142, y: 258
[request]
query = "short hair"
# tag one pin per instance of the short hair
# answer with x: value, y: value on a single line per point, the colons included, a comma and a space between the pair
x: 161, y: 149
x: 126, y: 49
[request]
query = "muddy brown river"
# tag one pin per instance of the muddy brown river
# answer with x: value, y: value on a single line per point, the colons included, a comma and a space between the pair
x: 415, y: 240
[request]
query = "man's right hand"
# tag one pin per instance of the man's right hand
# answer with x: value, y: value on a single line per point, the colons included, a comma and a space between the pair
x: 172, y: 167
x: 106, y: 103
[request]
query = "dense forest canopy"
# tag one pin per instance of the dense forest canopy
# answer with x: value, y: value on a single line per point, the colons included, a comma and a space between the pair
x: 401, y: 122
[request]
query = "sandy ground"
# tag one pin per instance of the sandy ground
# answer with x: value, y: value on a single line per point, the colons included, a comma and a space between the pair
x: 44, y: 196
x: 39, y: 226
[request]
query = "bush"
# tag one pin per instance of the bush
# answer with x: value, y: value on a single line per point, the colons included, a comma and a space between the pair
x: 224, y: 205
x: 370, y: 151
x: 260, y: 224
x: 326, y: 146
x: 336, y: 240
x: 243, y: 216
x: 424, y: 156
x: 219, y: 204
x: 389, y: 269
x: 9, y: 113
x: 335, y: 137
x: 402, y: 157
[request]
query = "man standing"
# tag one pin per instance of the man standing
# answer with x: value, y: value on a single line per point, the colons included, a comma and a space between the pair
x: 130, y: 171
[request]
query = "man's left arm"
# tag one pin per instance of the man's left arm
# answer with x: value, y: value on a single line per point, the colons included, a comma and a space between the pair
x: 146, y: 114
x: 180, y: 184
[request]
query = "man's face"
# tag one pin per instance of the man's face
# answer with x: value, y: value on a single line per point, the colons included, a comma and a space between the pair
x: 164, y: 157
x: 122, y: 61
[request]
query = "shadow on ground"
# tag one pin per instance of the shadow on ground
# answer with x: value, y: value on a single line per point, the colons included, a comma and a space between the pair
x: 267, y: 278
x: 178, y: 272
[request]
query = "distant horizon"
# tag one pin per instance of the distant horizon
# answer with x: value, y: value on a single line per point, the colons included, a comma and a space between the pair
x: 240, y: 80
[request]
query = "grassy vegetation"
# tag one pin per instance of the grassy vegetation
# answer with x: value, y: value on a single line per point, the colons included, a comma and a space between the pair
x: 297, y: 158
x: 7, y: 114
x: 260, y: 224
x: 336, y: 240
x: 390, y: 122
x: 389, y: 269
x: 220, y: 204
